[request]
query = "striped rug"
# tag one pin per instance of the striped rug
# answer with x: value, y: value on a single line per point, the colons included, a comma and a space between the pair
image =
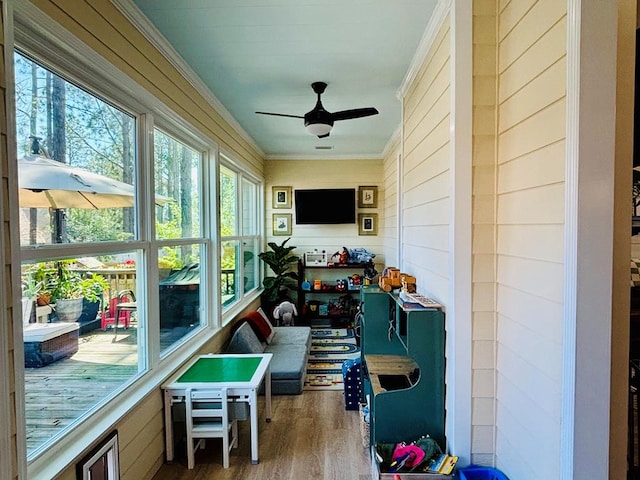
x: 330, y: 347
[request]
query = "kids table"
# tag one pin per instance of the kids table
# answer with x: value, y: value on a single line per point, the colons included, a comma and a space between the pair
x: 242, y: 374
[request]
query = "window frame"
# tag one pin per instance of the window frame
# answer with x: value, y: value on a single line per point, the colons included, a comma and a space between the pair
x: 55, y: 48
x: 228, y: 161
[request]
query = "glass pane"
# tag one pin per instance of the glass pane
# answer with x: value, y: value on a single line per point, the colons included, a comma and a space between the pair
x: 251, y: 266
x: 180, y: 293
x: 228, y: 284
x: 76, y: 161
x: 177, y: 180
x: 75, y: 358
x: 228, y: 202
x: 249, y: 207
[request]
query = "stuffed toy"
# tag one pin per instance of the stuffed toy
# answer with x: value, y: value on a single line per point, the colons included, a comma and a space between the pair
x: 287, y: 312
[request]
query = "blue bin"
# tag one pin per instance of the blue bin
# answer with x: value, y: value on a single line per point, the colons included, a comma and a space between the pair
x: 474, y: 472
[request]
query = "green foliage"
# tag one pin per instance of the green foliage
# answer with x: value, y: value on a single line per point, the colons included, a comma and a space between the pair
x: 92, y: 285
x: 57, y: 278
x: 280, y: 260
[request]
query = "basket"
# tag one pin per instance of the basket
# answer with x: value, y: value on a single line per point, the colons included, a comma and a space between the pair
x: 481, y: 473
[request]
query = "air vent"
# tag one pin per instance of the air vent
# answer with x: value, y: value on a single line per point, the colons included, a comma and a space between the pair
x: 324, y: 147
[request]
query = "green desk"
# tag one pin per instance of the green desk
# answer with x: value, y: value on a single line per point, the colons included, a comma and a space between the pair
x: 242, y: 374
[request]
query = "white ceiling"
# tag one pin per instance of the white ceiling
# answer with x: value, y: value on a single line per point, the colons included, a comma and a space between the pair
x: 263, y: 55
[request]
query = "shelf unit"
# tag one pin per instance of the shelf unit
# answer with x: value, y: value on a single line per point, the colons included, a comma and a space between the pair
x: 395, y: 340
x: 329, y: 273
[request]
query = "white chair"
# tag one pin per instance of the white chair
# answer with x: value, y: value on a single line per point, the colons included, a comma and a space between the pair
x: 207, y: 416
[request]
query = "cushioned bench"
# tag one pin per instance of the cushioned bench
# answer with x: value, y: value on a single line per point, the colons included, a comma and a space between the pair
x: 289, y: 345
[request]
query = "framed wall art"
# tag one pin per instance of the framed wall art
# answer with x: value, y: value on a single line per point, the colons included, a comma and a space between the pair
x: 281, y: 197
x: 367, y: 197
x: 282, y: 224
x: 102, y: 462
x: 367, y: 224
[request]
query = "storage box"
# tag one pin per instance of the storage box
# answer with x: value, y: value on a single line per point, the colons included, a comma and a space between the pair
x: 481, y: 473
x: 376, y: 474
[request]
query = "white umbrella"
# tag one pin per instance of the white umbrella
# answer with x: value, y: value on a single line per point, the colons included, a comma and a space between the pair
x: 46, y: 183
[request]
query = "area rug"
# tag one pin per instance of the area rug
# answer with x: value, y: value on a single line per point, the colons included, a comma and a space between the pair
x: 330, y: 347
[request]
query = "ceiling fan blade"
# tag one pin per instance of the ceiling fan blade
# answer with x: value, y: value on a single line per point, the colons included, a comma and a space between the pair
x: 355, y: 113
x: 324, y: 136
x: 280, y: 114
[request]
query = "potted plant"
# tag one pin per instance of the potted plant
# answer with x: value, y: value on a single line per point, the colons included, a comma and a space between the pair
x: 30, y: 289
x: 69, y: 289
x: 276, y: 287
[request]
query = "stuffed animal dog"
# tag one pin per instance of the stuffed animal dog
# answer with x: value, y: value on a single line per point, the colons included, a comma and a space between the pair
x: 287, y: 312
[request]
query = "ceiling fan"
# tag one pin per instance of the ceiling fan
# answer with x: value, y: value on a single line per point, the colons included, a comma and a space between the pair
x: 319, y: 121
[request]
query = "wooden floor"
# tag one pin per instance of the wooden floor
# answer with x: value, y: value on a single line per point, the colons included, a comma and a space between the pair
x: 311, y: 437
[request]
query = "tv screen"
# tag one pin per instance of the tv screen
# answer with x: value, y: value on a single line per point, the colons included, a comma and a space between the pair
x: 325, y: 206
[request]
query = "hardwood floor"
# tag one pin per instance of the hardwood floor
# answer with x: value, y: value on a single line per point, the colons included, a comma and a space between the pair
x: 311, y: 437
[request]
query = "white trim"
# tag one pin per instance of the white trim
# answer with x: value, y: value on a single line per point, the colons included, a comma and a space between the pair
x: 438, y: 16
x: 459, y: 307
x: 153, y: 35
x: 363, y: 156
x: 589, y: 178
x: 395, y: 137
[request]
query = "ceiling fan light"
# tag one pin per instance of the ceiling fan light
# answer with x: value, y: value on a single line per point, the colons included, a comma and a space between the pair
x: 318, y: 129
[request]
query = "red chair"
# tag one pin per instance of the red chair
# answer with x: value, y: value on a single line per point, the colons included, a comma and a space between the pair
x: 109, y: 317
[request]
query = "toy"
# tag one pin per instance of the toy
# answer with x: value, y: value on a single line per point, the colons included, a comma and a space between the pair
x: 287, y: 311
x: 343, y: 256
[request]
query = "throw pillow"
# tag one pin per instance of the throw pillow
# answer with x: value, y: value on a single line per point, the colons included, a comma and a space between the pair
x: 259, y: 325
x: 266, y: 319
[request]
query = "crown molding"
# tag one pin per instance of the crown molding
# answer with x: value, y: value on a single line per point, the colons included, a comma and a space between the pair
x: 328, y: 157
x: 440, y: 12
x: 391, y: 143
x: 144, y: 25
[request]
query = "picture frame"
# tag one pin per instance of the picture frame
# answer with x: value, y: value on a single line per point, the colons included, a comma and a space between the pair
x: 367, y: 224
x: 281, y: 197
x: 102, y: 461
x: 368, y: 197
x: 282, y: 224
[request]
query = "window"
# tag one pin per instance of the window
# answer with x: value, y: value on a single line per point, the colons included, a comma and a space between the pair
x: 177, y: 173
x: 76, y: 164
x: 240, y: 238
x: 137, y: 249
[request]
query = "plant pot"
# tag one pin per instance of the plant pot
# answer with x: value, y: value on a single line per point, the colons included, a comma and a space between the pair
x: 69, y: 309
x: 43, y: 299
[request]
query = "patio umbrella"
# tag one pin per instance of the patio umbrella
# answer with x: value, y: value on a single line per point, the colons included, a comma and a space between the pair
x: 46, y: 183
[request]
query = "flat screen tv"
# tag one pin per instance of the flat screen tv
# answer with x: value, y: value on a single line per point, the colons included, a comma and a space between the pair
x: 325, y: 206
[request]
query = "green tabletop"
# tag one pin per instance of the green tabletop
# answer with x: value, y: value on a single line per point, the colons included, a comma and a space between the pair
x: 217, y: 369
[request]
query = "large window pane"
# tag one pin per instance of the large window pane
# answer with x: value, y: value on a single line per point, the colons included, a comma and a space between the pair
x: 180, y: 293
x: 249, y: 207
x: 251, y: 265
x: 76, y: 161
x: 177, y: 178
x: 228, y: 202
x: 75, y: 358
x: 229, y: 273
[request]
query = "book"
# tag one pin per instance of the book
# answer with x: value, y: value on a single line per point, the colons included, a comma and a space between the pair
x: 442, y: 464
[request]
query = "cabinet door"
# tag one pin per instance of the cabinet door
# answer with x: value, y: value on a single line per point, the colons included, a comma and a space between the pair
x: 376, y: 337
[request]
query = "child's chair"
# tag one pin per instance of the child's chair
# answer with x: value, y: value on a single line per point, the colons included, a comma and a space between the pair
x: 207, y: 416
x: 109, y: 317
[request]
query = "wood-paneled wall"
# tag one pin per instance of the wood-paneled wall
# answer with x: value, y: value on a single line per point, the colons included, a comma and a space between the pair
x: 389, y: 233
x: 425, y: 193
x: 310, y: 174
x: 530, y: 224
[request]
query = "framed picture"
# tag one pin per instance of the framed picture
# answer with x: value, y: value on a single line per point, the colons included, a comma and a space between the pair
x: 281, y: 197
x: 367, y: 224
x: 282, y: 224
x: 102, y: 461
x: 367, y: 197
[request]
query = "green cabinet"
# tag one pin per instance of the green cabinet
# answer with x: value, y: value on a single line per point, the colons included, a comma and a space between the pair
x: 402, y: 344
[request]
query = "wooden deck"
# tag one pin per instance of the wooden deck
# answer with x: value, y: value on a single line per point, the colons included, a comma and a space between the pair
x: 59, y: 394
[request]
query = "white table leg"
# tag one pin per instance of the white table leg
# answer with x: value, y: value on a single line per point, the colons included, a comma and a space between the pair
x: 253, y: 403
x: 267, y: 393
x: 168, y: 425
